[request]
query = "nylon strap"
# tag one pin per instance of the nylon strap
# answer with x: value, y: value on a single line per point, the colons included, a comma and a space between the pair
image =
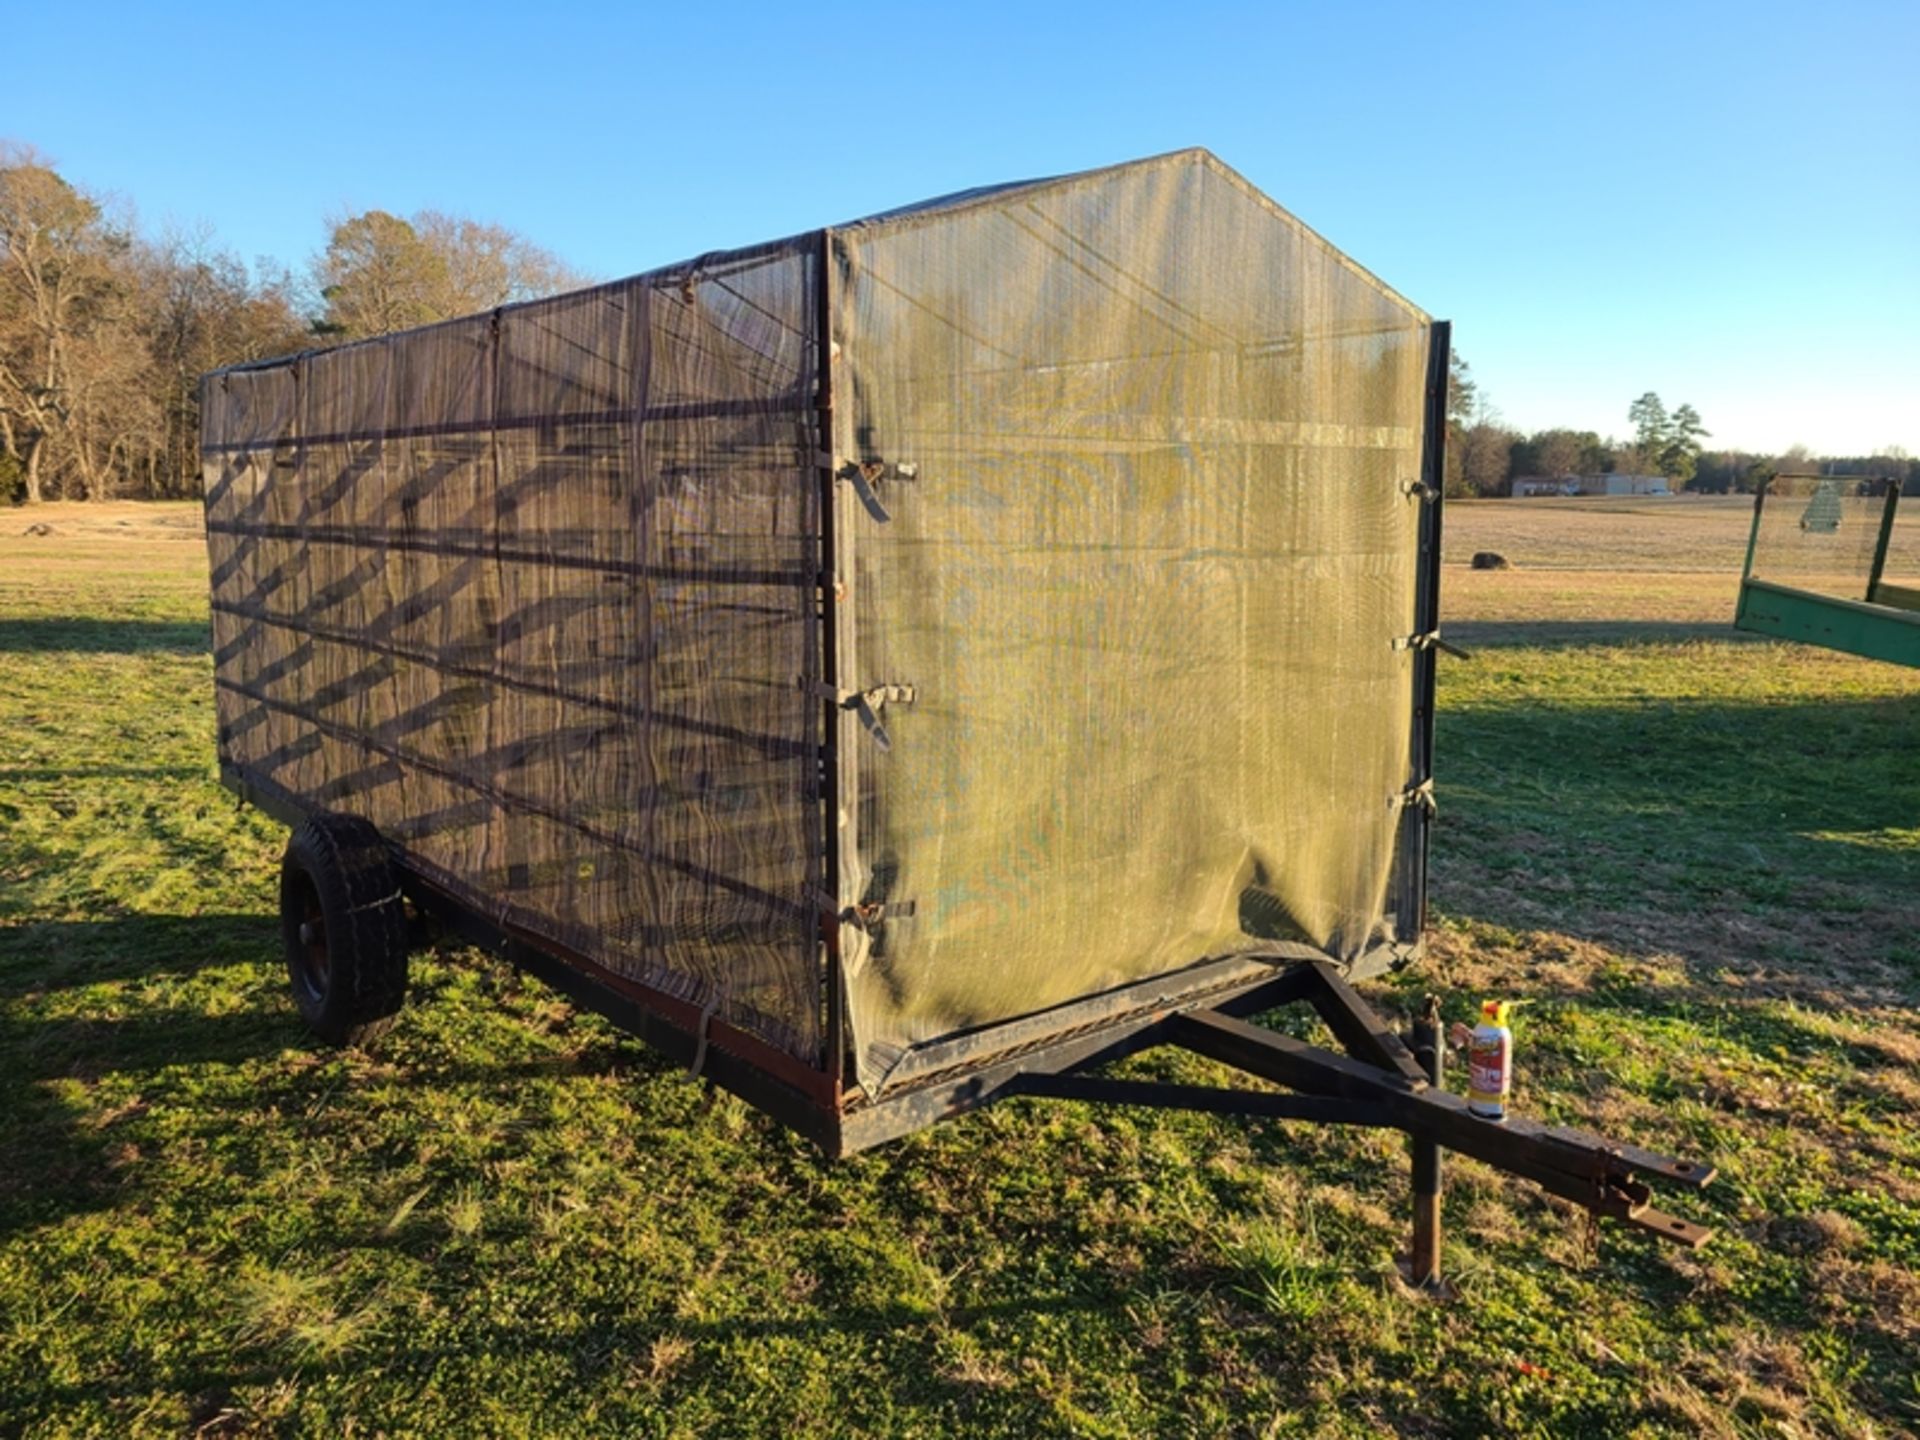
x: 867, y: 704
x: 699, y: 1060
x: 1429, y: 640
x: 867, y: 476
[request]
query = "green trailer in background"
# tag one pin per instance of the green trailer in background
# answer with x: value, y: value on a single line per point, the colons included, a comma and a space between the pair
x: 1833, y: 561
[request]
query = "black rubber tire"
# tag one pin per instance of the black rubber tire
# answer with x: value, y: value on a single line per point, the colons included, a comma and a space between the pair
x: 345, y: 929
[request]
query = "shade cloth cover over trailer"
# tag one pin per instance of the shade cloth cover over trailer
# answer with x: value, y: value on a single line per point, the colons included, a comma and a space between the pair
x: 1024, y: 582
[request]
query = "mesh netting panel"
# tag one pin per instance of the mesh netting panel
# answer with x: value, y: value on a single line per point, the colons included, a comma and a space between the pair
x: 1140, y: 548
x: 1819, y: 535
x: 532, y: 592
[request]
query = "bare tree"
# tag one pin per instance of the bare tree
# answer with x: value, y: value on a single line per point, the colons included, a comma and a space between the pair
x: 1486, y: 453
x: 50, y: 281
x: 381, y: 273
x: 205, y: 309
x: 1796, y: 459
x: 1559, y: 453
x: 489, y: 265
x: 104, y: 335
x: 377, y: 275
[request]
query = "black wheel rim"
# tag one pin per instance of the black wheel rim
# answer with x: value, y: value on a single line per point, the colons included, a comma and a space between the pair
x: 311, y: 966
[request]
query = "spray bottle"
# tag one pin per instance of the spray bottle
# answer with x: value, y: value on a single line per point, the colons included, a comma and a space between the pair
x: 1490, y: 1062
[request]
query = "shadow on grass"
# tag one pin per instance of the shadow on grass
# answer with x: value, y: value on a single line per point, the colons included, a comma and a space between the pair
x: 1644, y: 824
x: 61, y: 1163
x: 1562, y: 634
x: 59, y: 954
x: 587, y: 1353
x: 44, y: 773
x: 56, y: 634
x: 1754, y: 843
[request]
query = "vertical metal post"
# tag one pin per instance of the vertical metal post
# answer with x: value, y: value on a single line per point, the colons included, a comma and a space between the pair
x: 1429, y: 1049
x: 1426, y: 618
x: 1753, y: 539
x: 1885, y: 540
x: 835, y: 1046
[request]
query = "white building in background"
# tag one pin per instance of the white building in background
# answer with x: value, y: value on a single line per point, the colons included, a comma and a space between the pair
x: 1541, y: 485
x: 1592, y: 485
x: 1624, y: 485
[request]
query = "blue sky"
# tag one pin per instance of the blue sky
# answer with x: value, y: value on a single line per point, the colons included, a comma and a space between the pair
x: 1717, y: 202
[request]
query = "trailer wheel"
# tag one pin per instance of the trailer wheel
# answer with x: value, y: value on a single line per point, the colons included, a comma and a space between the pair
x: 345, y: 929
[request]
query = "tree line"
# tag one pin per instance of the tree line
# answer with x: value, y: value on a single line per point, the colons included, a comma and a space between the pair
x: 105, y: 331
x: 1485, y: 456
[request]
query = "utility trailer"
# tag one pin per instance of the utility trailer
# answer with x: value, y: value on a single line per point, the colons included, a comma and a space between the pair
x: 889, y: 669
x: 1832, y: 561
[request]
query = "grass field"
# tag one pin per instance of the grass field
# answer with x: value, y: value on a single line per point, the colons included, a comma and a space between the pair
x: 1694, y: 854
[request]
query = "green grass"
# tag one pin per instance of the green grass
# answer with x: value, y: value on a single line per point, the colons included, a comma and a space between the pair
x: 1695, y: 858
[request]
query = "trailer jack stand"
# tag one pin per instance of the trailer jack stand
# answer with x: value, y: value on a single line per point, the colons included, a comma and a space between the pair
x: 1429, y: 1052
x: 1382, y: 1082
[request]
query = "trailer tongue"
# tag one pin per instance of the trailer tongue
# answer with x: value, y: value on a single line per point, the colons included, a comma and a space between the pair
x: 1381, y: 1082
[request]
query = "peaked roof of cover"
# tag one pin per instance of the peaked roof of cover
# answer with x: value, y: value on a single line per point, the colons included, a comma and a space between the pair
x: 919, y: 212
x: 1199, y: 155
